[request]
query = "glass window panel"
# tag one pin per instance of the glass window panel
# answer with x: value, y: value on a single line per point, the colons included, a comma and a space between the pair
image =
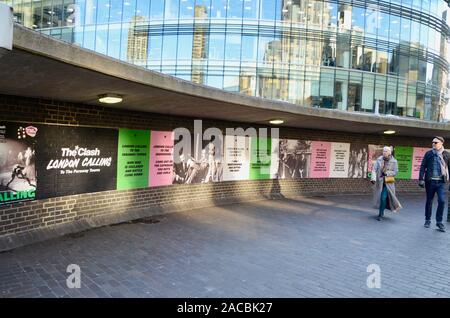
x: 216, y: 46
x: 380, y: 88
x: 405, y: 33
x: 417, y: 4
x: 169, y: 47
x: 129, y: 10
x: 401, y: 95
x: 231, y: 83
x: 185, y: 47
x: 425, y: 5
x: 188, y: 9
x: 233, y: 47
x: 114, y: 41
x: 235, y: 9
x: 91, y: 12
x: 219, y: 8
x: 251, y: 9
x: 155, y: 48
x: 358, y: 18
x: 171, y: 9
x: 89, y: 37
x: 381, y: 65
x: 143, y: 8
x: 415, y: 35
x: 215, y: 81
x: 115, y: 12
x: 391, y: 93
x: 156, y: 10
x: 383, y: 29
x: 424, y: 36
x: 367, y: 92
x: 411, y: 103
x: 268, y: 9
x: 101, y: 39
x: 394, y: 28
x: 327, y: 85
x: 205, y: 4
x: 103, y: 11
x: 249, y: 48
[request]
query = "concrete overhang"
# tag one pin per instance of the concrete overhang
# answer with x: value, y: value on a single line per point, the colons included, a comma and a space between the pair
x: 43, y: 67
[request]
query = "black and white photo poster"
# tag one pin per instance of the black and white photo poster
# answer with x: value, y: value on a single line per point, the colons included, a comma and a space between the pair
x: 205, y: 164
x: 358, y: 161
x: 294, y: 159
x: 18, y: 179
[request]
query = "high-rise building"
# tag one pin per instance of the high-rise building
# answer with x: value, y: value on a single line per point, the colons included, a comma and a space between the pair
x: 386, y: 57
x: 137, y: 42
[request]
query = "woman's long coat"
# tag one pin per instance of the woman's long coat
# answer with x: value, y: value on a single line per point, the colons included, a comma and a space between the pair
x: 393, y: 203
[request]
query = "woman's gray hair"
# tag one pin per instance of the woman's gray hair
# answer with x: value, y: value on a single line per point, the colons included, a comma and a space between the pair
x: 387, y: 148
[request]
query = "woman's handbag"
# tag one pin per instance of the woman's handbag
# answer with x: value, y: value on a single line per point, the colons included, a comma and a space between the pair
x: 389, y: 179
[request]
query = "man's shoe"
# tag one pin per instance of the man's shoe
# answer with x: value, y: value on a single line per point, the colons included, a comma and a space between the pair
x: 427, y: 224
x: 379, y: 218
x: 441, y: 227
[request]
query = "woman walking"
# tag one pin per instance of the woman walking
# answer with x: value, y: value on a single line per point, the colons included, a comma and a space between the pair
x: 383, y: 175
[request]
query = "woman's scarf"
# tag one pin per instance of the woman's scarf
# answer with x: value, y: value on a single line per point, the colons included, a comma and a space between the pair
x: 440, y: 155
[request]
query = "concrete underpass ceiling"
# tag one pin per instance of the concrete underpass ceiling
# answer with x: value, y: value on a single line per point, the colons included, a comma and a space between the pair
x: 42, y: 67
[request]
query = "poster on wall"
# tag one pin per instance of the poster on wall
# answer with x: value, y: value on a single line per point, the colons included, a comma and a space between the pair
x: 236, y: 158
x: 76, y: 160
x: 418, y: 154
x: 260, y: 158
x: 205, y: 164
x: 295, y: 159
x: 18, y: 178
x: 275, y: 158
x: 161, y: 158
x: 404, y: 156
x: 374, y: 152
x: 320, y: 159
x: 358, y: 161
x: 340, y: 157
x: 132, y: 159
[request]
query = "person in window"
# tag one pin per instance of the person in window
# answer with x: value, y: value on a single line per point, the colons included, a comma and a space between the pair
x: 433, y: 175
x: 384, y: 170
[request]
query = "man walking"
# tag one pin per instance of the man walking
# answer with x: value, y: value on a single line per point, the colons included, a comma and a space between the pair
x: 434, y: 174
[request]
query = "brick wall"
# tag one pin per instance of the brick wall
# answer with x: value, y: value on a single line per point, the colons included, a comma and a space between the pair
x: 26, y: 222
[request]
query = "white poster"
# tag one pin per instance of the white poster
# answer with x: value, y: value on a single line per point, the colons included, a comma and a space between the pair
x: 340, y: 157
x: 237, y: 158
x: 275, y: 158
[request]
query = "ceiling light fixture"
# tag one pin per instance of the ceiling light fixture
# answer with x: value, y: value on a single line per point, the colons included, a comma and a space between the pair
x: 109, y: 98
x: 276, y: 121
x: 389, y: 132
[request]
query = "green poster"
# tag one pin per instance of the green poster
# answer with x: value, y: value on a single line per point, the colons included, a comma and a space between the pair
x: 260, y: 159
x: 404, y: 156
x: 133, y: 159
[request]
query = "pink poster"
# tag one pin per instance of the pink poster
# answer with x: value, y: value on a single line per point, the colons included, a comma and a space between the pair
x: 418, y: 154
x: 320, y: 159
x: 161, y: 158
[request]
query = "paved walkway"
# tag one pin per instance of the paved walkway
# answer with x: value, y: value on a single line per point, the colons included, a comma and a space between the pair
x: 303, y: 247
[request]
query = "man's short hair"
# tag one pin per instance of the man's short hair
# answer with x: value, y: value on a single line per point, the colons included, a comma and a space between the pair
x: 439, y: 138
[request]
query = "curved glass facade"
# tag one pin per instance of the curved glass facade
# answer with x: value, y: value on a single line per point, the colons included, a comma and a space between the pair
x: 387, y: 57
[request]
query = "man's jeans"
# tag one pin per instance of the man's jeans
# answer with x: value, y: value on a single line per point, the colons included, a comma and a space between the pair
x: 432, y: 187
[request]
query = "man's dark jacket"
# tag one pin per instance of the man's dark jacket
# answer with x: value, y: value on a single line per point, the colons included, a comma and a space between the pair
x: 427, y: 165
